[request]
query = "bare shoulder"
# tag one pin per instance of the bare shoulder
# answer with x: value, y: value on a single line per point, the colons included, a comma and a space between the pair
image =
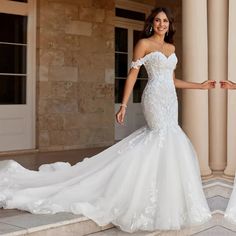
x: 170, y: 47
x: 142, y: 43
x: 140, y: 49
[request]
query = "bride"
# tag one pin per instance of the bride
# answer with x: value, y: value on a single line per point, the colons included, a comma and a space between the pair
x: 150, y: 180
x: 230, y: 212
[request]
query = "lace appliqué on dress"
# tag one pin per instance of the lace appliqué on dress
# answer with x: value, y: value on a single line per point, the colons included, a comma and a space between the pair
x: 137, y: 64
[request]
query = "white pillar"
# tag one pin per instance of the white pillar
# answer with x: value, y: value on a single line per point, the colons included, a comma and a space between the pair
x: 231, y: 119
x: 195, y: 68
x: 217, y: 49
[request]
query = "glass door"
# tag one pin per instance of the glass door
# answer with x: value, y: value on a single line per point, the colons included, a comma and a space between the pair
x: 17, y: 75
x: 13, y: 48
x: 125, y: 40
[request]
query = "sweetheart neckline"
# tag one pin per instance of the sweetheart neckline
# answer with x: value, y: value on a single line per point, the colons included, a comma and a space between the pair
x: 167, y: 57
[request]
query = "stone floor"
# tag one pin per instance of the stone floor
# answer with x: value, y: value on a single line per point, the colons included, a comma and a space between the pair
x: 217, y: 189
x: 33, y: 159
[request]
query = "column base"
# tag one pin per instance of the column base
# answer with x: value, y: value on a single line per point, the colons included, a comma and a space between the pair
x: 229, y: 173
x: 217, y: 166
x: 206, y: 173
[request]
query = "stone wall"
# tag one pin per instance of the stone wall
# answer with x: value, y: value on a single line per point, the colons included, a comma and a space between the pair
x: 75, y: 84
x: 148, y: 2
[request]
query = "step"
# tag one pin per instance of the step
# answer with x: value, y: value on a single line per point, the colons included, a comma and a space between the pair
x: 210, y: 228
x: 117, y: 232
x: 61, y: 224
x: 218, y: 187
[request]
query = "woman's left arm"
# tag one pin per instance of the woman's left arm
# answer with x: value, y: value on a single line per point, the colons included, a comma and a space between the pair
x: 208, y: 84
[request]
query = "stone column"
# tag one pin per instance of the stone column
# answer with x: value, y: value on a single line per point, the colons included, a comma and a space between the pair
x: 195, y: 69
x: 217, y: 49
x: 231, y: 119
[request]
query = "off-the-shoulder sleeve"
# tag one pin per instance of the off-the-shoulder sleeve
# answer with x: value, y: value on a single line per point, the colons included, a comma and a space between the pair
x: 137, y: 64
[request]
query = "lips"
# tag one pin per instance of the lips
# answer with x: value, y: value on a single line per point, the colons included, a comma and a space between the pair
x: 161, y: 29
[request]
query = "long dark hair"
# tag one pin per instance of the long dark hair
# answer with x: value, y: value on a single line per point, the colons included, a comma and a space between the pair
x: 149, y: 23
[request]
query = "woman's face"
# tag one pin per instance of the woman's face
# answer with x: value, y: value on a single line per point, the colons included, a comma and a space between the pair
x: 161, y: 24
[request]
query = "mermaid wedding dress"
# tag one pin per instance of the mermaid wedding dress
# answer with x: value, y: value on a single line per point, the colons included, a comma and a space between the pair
x: 150, y: 180
x: 230, y: 212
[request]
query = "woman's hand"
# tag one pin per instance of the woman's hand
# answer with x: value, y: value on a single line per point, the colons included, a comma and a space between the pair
x: 120, y: 115
x: 227, y: 84
x: 208, y: 84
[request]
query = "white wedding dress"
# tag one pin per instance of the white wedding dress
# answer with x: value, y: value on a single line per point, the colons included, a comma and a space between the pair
x: 148, y: 181
x: 230, y: 212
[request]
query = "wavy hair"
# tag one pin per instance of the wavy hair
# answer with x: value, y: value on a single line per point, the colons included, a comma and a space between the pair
x: 146, y: 33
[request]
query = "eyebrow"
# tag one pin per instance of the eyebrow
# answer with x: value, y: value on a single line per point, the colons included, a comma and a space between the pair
x: 160, y: 18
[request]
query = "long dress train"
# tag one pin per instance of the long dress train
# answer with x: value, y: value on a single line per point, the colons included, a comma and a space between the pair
x: 230, y: 212
x: 149, y: 180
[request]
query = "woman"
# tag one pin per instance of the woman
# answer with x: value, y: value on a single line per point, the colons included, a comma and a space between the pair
x: 148, y: 181
x: 230, y: 212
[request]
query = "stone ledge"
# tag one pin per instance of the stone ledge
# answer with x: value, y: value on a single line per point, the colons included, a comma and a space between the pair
x: 59, y: 224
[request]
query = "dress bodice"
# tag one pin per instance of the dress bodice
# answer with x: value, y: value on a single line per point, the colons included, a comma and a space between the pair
x: 156, y: 64
x: 159, y: 100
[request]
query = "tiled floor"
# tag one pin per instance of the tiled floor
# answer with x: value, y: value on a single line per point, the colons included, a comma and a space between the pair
x: 216, y: 231
x: 22, y: 223
x: 9, y: 213
x: 217, y: 203
x: 117, y: 232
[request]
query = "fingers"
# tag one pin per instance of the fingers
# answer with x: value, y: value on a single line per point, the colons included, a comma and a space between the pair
x: 120, y: 117
x: 225, y: 84
x: 209, y: 84
x: 212, y: 83
x: 222, y: 81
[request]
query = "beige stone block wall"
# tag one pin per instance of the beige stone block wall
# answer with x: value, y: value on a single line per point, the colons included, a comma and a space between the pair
x: 75, y: 86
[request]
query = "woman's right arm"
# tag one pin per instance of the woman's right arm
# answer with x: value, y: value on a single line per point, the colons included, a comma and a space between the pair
x: 139, y: 52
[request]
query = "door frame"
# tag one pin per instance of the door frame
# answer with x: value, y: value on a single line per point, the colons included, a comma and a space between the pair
x: 28, y: 9
x: 130, y: 25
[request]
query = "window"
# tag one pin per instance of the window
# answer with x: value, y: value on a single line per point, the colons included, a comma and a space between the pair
x: 121, y: 61
x: 13, y: 49
x: 134, y: 15
x: 142, y: 75
x: 19, y: 0
x: 122, y: 43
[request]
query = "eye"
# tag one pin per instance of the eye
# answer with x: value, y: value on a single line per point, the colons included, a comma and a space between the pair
x: 166, y: 20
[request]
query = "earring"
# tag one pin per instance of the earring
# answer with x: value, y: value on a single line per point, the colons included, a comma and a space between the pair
x: 167, y: 33
x: 150, y: 29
